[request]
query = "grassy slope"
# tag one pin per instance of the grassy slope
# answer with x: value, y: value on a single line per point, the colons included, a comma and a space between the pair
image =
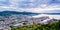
x: 50, y: 26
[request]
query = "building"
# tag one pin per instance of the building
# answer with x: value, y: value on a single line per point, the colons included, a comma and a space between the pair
x: 5, y: 28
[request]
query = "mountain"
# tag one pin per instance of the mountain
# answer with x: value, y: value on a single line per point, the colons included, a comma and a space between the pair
x: 8, y: 13
x: 4, y: 13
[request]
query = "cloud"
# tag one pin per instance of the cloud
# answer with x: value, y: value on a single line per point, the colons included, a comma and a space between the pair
x: 29, y: 5
x: 39, y: 9
x: 56, y: 1
x: 4, y: 2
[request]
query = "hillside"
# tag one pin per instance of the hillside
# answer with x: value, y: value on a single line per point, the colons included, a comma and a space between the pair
x: 4, y: 13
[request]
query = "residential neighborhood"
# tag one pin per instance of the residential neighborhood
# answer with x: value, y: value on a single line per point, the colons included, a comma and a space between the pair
x: 23, y: 20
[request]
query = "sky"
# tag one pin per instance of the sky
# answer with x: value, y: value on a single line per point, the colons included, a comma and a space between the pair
x: 37, y: 6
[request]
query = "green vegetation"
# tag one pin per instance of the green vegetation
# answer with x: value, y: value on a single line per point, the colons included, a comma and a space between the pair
x: 50, y: 26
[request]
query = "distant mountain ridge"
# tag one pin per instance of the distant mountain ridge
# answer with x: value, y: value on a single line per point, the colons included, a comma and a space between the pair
x: 8, y: 13
x: 4, y: 13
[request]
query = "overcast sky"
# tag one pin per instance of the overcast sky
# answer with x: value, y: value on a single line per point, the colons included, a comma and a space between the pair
x: 38, y: 6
